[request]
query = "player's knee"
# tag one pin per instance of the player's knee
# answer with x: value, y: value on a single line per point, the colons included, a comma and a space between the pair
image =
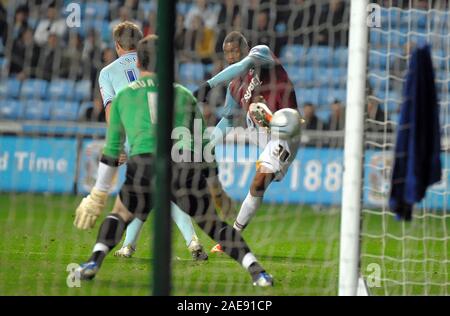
x: 122, y: 211
x: 260, y: 183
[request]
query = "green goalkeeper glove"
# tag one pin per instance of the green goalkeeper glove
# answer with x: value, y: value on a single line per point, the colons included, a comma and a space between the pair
x: 90, y: 209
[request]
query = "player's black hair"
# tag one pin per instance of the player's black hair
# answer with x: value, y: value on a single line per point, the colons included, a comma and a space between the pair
x: 146, y: 52
x: 236, y: 37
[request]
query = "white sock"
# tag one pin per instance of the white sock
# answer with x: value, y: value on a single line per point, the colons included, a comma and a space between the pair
x: 248, y: 259
x: 105, y: 174
x: 101, y: 247
x: 248, y: 209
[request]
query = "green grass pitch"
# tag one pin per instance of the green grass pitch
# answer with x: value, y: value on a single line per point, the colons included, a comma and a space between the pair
x: 297, y: 244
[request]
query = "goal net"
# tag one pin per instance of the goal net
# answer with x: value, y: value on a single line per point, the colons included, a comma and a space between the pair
x: 404, y: 258
x: 52, y: 130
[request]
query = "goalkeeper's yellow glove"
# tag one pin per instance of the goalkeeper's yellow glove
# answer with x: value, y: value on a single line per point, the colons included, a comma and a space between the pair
x: 90, y: 209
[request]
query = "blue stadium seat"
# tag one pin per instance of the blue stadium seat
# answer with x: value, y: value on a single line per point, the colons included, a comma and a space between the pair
x: 300, y: 75
x: 9, y: 88
x: 11, y: 109
x: 418, y: 38
x: 292, y: 54
x: 189, y: 72
x: 183, y: 7
x: 37, y: 110
x: 83, y: 108
x: 147, y: 7
x: 340, y: 57
x: 330, y: 76
x: 378, y: 80
x: 329, y: 95
x: 440, y: 21
x: 417, y: 18
x: 34, y: 89
x: 440, y: 58
x: 378, y: 58
x: 101, y: 26
x: 83, y: 90
x: 61, y: 89
x: 96, y: 10
x: 308, y: 96
x: 323, y: 115
x: 319, y: 55
x: 377, y: 37
x: 64, y: 111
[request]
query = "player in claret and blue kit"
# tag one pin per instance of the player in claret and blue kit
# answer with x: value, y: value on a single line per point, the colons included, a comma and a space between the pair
x: 259, y: 85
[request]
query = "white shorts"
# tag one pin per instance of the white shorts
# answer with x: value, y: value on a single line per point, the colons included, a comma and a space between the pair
x: 278, y: 155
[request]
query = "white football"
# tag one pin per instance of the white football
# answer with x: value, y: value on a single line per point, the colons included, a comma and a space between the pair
x: 286, y: 123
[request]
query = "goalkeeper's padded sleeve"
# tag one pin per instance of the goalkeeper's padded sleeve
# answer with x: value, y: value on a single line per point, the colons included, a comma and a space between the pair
x: 202, y: 91
x: 90, y: 209
x: 105, y: 175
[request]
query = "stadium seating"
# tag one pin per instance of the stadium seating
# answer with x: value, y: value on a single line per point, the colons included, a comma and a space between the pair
x: 96, y: 10
x: 292, y: 54
x: 37, y: 110
x: 9, y: 88
x: 64, y: 111
x: 61, y: 89
x: 300, y: 76
x: 83, y: 108
x: 319, y: 55
x: 11, y: 109
x: 340, y: 56
x: 34, y: 89
x: 83, y: 90
x: 101, y: 26
x: 191, y: 72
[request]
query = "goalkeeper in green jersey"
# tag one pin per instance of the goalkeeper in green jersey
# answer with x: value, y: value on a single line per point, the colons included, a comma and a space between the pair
x: 189, y: 187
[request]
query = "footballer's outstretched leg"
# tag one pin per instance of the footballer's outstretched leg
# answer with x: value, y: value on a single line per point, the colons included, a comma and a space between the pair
x: 192, y: 195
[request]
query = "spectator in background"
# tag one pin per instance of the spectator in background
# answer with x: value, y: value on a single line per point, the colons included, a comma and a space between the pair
x: 92, y: 55
x: 228, y: 11
x: 124, y: 15
x: 150, y: 24
x: 376, y: 118
x: 108, y: 56
x: 299, y: 23
x: 20, y: 21
x: 50, y: 57
x: 3, y: 27
x: 236, y: 25
x: 312, y: 122
x: 51, y: 25
x: 336, y: 122
x: 196, y: 43
x: 209, y: 14
x: 24, y: 56
x: 334, y: 16
x: 72, y: 66
x: 95, y: 113
x: 261, y: 35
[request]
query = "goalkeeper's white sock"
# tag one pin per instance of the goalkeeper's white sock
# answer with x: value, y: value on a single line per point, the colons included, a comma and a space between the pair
x: 247, y: 211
